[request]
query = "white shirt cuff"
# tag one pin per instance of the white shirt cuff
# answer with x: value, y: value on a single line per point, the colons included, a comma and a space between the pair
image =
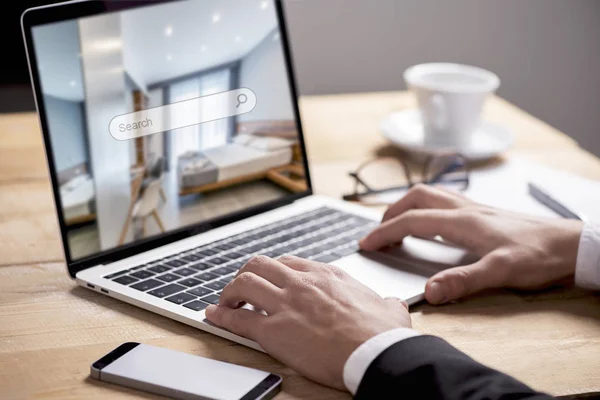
x: 587, y: 271
x: 357, y: 364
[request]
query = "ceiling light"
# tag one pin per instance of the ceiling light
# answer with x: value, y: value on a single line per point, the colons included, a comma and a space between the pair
x: 216, y: 18
x: 168, y: 30
x: 203, y: 48
x: 72, y: 83
x: 238, y: 39
x: 169, y: 57
x: 264, y: 4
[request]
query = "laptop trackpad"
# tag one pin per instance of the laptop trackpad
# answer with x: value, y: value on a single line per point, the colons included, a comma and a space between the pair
x: 403, y: 272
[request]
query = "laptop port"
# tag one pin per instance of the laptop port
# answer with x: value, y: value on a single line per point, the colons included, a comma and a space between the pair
x: 104, y: 291
x: 91, y: 286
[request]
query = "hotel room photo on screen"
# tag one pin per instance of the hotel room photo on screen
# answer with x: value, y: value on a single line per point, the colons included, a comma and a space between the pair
x: 114, y: 192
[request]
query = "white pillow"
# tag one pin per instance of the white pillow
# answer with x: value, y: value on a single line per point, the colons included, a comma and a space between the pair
x: 196, y: 165
x: 243, y: 139
x: 75, y: 182
x: 270, y: 143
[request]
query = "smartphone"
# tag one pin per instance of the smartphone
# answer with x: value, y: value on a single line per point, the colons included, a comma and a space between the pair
x: 182, y: 376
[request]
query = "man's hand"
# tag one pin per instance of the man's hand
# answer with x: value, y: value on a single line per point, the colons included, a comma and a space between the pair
x: 317, y: 315
x: 516, y: 251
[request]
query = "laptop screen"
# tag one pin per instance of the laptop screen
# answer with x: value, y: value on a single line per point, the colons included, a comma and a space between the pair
x: 166, y: 116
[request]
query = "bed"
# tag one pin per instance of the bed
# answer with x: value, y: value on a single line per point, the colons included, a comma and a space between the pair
x: 247, y: 159
x: 78, y: 200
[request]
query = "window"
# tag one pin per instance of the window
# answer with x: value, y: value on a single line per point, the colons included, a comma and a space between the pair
x: 203, y: 136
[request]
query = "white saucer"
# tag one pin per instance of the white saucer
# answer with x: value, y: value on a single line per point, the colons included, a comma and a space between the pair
x: 405, y: 130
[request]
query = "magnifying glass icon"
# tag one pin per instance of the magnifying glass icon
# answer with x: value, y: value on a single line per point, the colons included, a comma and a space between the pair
x: 241, y: 99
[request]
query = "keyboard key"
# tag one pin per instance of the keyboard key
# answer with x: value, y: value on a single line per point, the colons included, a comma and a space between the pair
x: 344, y: 251
x: 190, y: 282
x: 228, y: 279
x: 200, y: 291
x: 168, y: 277
x: 159, y: 269
x: 306, y: 253
x: 305, y: 242
x: 299, y: 253
x: 207, y: 276
x: 236, y: 265
x: 167, y: 290
x: 138, y: 267
x: 271, y: 243
x: 208, y: 252
x: 191, y: 257
x: 326, y: 258
x: 147, y: 285
x: 273, y: 253
x: 125, y: 280
x: 212, y: 299
x: 216, y: 285
x: 286, y: 237
x: 217, y: 260
x: 356, y: 236
x: 201, y: 266
x: 223, y: 271
x: 143, y: 274
x: 233, y: 255
x: 340, y: 242
x: 180, y: 298
x: 175, y: 263
x: 112, y: 276
x: 196, y: 305
x: 322, y: 248
x: 185, y: 272
x: 252, y: 249
x: 224, y: 246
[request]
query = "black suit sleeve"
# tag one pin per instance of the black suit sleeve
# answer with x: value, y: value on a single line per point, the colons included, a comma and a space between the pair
x: 427, y: 367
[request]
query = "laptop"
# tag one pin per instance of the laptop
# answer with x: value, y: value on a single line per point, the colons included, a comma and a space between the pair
x: 176, y: 153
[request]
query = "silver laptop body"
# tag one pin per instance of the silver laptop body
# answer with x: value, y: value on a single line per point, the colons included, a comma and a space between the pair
x: 75, y: 49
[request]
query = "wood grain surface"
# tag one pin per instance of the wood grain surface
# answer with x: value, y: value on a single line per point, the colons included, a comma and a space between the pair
x: 51, y: 330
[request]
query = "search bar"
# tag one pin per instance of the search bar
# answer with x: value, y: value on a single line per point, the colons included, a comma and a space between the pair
x: 182, y: 114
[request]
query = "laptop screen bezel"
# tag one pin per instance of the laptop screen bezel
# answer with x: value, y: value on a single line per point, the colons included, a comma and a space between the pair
x: 80, y: 9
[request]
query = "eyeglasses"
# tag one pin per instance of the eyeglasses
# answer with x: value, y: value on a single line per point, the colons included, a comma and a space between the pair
x: 378, y: 181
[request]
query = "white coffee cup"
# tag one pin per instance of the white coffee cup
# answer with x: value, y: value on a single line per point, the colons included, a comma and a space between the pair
x: 450, y: 98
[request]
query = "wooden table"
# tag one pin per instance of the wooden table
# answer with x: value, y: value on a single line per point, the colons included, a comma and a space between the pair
x: 51, y: 330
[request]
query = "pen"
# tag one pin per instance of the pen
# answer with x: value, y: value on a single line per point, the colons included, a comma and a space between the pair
x: 544, y: 198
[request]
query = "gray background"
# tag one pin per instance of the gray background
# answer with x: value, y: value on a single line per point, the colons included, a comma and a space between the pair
x: 547, y: 52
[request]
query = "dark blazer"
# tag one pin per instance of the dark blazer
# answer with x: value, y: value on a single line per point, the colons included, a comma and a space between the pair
x: 427, y: 367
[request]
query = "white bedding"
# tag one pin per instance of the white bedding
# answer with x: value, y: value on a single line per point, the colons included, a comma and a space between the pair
x: 76, y: 200
x: 234, y: 160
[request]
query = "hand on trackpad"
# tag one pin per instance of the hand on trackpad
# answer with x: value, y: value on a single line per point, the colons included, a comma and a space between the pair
x: 431, y: 252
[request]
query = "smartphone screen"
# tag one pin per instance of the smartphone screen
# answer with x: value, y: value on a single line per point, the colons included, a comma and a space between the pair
x: 180, y: 375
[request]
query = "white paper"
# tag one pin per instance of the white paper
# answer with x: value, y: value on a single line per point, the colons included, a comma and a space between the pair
x: 505, y: 186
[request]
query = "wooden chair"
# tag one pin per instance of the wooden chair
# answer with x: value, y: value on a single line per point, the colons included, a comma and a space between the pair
x: 147, y: 205
x: 156, y: 172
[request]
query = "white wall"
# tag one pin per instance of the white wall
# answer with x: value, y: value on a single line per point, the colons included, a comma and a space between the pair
x: 105, y: 97
x: 132, y: 64
x: 263, y: 71
x: 545, y: 51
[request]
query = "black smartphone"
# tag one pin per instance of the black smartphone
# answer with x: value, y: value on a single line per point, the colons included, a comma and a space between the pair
x: 183, y: 376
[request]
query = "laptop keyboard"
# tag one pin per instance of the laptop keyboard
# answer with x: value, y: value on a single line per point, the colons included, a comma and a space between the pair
x: 194, y: 278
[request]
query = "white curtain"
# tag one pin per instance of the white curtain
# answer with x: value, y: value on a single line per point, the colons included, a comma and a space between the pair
x: 214, y: 133
x: 203, y: 136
